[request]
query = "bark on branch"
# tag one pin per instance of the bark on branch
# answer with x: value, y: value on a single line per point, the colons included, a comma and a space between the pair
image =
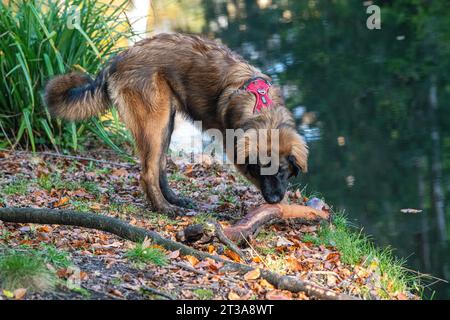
x: 136, y: 234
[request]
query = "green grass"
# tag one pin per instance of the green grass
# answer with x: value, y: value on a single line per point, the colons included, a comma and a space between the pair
x: 356, y: 248
x: 141, y: 254
x: 177, y: 176
x: 17, y: 187
x: 24, y: 270
x: 50, y: 254
x: 266, y: 235
x: 31, y: 268
x: 83, y: 206
x: 157, y: 218
x: 55, y: 181
x: 202, y: 218
x: 124, y: 208
x: 203, y: 294
x: 38, y: 42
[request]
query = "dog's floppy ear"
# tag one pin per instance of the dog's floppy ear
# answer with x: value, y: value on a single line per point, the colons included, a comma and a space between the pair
x: 295, y: 167
x: 293, y: 146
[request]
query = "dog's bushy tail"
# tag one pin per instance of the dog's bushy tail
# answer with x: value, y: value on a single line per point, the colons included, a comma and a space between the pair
x: 75, y: 96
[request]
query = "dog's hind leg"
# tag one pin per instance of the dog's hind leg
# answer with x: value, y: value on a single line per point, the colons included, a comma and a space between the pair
x: 168, y: 193
x: 147, y: 115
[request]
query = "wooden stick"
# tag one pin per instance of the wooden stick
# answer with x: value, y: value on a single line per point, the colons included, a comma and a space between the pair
x: 218, y: 231
x: 264, y: 214
x: 136, y: 234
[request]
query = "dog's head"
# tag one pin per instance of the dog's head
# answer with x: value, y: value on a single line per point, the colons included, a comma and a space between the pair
x: 286, y: 159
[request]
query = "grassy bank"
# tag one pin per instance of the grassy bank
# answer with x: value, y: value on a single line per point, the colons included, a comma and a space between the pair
x: 356, y: 248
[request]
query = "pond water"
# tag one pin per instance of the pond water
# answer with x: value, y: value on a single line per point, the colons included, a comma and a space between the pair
x: 373, y: 105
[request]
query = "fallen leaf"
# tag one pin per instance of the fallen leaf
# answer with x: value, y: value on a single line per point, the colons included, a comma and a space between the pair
x: 257, y: 259
x: 232, y: 255
x: 147, y: 242
x: 278, y: 295
x: 402, y: 296
x: 95, y: 206
x: 333, y: 257
x: 116, y: 292
x: 45, y: 229
x: 119, y: 172
x: 233, y: 296
x: 192, y: 260
x: 266, y: 285
x: 293, y: 264
x: 253, y: 274
x: 211, y: 248
x: 174, y: 254
x: 283, y: 242
x: 61, y: 202
x: 8, y: 294
x: 20, y: 293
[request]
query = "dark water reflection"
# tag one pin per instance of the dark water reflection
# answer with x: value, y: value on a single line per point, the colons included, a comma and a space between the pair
x: 373, y: 104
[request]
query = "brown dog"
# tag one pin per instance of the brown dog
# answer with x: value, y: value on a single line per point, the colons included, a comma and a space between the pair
x: 169, y: 73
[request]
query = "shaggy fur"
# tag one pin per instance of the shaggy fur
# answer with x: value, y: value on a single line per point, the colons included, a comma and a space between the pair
x: 169, y: 73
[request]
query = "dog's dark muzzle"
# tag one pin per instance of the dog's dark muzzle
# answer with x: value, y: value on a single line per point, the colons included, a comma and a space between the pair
x: 273, y: 189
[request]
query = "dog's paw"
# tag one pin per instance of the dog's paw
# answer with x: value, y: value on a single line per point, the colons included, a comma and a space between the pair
x: 169, y: 210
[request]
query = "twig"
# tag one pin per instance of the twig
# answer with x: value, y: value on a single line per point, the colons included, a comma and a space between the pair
x: 157, y: 292
x: 189, y: 268
x: 136, y: 234
x: 218, y: 231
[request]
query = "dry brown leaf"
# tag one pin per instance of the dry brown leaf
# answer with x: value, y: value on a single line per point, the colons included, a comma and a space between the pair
x: 45, y: 229
x: 61, y: 202
x: 232, y: 255
x: 19, y: 294
x: 257, y: 259
x: 293, y: 264
x: 233, y: 296
x: 147, y: 242
x: 333, y: 257
x: 119, y: 172
x: 174, y: 254
x: 95, y: 206
x: 192, y: 260
x: 402, y: 296
x: 266, y: 285
x: 278, y: 295
x: 253, y: 274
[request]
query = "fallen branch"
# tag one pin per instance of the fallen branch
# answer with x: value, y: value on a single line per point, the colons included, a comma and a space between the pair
x: 264, y: 214
x: 136, y: 234
x: 218, y: 231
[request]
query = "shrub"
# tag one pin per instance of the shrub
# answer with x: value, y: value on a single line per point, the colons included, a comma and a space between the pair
x: 42, y: 38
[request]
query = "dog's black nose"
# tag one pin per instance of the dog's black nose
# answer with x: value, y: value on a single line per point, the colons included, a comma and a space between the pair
x: 273, y: 198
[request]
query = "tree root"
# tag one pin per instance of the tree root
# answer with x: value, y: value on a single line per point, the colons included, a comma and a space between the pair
x: 136, y: 234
